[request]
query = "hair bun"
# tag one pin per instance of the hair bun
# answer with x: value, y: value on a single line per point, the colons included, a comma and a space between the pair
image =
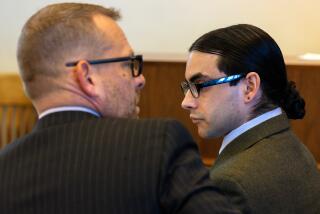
x: 292, y: 103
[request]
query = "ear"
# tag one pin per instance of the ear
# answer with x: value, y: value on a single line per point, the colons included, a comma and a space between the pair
x: 252, y: 87
x: 83, y: 73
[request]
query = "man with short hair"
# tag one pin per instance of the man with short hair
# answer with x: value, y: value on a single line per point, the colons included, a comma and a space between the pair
x: 236, y: 87
x: 88, y: 153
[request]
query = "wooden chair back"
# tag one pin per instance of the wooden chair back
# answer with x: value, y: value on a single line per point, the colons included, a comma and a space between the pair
x: 17, y: 115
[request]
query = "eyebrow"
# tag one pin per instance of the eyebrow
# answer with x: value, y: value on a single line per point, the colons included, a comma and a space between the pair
x: 196, y: 76
x: 131, y: 53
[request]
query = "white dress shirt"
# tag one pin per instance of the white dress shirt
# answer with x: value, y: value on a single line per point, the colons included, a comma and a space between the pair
x: 248, y: 125
x: 69, y: 108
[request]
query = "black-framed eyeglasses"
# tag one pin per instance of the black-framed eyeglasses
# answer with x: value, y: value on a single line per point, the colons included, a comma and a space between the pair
x: 195, y: 87
x: 136, y: 63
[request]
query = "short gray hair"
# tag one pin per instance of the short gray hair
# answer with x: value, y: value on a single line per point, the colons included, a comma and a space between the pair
x: 55, y: 33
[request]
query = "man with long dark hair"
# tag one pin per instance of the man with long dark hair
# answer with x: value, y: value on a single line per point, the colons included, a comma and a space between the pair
x: 236, y: 86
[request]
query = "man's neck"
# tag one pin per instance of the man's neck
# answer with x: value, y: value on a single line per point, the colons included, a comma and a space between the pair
x: 62, y: 99
x: 248, y: 125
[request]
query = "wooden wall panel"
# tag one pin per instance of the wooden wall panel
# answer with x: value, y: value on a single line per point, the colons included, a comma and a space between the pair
x: 162, y: 98
x: 307, y: 79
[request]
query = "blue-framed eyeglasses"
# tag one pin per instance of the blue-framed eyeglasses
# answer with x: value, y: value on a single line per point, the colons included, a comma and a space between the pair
x: 195, y: 87
x: 136, y: 63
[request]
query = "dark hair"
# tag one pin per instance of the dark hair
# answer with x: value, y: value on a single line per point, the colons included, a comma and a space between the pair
x: 245, y: 48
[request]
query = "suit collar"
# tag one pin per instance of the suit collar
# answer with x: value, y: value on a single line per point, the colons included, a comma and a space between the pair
x: 249, y: 138
x: 68, y: 108
x: 63, y: 117
x: 249, y: 125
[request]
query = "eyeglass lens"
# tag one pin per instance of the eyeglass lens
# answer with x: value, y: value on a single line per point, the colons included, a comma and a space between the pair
x: 185, y: 86
x: 136, y: 67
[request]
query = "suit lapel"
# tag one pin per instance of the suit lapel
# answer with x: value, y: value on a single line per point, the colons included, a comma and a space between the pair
x: 249, y: 138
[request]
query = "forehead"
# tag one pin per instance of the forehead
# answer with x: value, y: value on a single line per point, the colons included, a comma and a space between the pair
x: 202, y: 64
x: 113, y: 34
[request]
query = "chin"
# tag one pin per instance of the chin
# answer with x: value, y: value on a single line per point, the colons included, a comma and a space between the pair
x: 133, y: 114
x: 203, y: 133
x: 207, y: 134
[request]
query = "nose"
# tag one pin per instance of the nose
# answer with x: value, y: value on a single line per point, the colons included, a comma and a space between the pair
x: 140, y: 81
x: 189, y: 102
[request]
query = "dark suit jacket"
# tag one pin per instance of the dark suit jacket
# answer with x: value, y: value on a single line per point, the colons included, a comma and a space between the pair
x: 73, y: 162
x: 267, y: 170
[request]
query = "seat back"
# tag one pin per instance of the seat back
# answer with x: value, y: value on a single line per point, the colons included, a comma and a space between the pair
x: 17, y: 115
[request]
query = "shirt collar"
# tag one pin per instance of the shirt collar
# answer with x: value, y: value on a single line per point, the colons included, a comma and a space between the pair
x: 248, y: 125
x: 68, y: 108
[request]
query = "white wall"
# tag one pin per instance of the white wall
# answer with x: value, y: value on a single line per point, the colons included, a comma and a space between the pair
x: 170, y: 26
